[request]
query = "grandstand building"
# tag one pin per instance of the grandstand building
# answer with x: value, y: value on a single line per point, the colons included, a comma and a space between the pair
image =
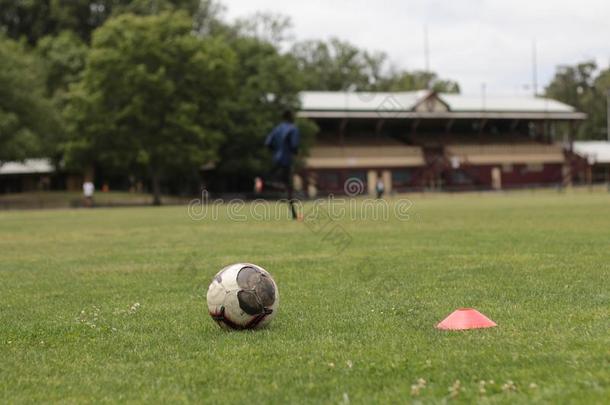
x: 427, y: 140
x: 597, y: 155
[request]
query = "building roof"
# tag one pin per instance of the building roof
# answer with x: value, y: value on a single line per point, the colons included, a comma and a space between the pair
x: 29, y: 166
x: 593, y: 151
x: 429, y: 104
x: 458, y: 102
x: 359, y: 101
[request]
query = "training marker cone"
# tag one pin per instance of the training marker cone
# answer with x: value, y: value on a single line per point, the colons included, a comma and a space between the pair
x: 465, y: 318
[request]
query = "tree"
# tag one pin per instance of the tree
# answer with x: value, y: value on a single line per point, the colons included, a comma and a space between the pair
x: 267, y: 83
x: 598, y: 106
x: 207, y: 18
x: 26, y: 116
x: 417, y: 80
x: 338, y: 65
x: 153, y: 97
x: 585, y: 88
x: 571, y: 83
x: 63, y: 58
x: 274, y: 29
x: 36, y: 19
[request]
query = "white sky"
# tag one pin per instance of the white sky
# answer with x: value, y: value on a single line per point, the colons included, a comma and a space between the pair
x: 471, y: 41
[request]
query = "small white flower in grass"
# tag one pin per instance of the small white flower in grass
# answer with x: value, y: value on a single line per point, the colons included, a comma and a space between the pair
x: 533, y: 386
x: 482, y: 389
x: 331, y: 365
x: 134, y: 308
x: 509, y: 386
x: 455, y: 389
x: 345, y: 398
x: 349, y: 363
x: 418, y: 386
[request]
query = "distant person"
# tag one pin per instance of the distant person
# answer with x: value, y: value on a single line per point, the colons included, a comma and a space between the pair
x: 284, y: 143
x: 88, y: 189
x: 380, y: 187
x: 258, y: 185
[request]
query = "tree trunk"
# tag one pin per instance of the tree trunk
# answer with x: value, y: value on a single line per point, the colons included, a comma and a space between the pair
x: 156, y: 184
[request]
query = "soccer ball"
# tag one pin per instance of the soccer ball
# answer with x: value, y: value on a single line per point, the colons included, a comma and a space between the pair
x: 243, y: 296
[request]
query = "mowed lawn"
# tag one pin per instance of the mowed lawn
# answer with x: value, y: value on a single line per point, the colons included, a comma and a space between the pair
x: 108, y: 305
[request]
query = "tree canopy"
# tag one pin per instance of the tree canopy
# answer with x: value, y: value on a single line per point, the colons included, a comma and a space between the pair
x: 585, y: 87
x: 36, y: 19
x: 153, y: 96
x: 338, y: 65
x: 63, y: 57
x: 27, y: 117
x: 268, y: 82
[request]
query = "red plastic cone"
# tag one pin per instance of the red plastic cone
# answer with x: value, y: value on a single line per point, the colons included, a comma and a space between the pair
x: 465, y: 318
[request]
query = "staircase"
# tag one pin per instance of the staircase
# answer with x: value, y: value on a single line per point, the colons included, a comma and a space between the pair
x: 436, y: 164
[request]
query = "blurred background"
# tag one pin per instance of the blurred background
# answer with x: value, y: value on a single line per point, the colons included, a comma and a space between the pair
x: 153, y: 101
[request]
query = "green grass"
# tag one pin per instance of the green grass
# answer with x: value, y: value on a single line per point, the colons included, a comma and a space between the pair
x: 354, y: 325
x: 67, y: 199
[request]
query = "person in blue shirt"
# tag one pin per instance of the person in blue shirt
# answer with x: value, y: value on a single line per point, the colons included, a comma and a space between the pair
x: 283, y: 141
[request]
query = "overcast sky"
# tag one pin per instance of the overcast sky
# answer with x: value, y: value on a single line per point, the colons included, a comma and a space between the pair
x: 471, y: 41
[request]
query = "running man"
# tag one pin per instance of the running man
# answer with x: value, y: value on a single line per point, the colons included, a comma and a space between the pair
x: 284, y: 143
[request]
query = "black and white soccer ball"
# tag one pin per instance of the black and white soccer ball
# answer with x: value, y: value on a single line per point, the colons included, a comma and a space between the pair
x: 243, y: 296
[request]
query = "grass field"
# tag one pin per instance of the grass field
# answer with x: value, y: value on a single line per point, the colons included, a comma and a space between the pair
x: 68, y: 199
x: 109, y: 305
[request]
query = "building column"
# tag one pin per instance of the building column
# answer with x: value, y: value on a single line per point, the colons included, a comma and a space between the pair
x: 312, y: 189
x: 371, y: 181
x: 496, y: 178
x: 297, y: 182
x: 387, y: 180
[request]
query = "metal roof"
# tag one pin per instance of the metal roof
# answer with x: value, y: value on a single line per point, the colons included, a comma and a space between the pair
x: 593, y: 151
x: 29, y: 166
x: 458, y: 102
x: 360, y: 101
x: 335, y: 104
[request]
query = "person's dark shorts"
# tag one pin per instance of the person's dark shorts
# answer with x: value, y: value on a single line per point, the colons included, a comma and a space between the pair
x: 283, y: 175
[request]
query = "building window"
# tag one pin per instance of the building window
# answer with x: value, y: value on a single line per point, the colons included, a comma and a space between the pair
x: 401, y: 178
x: 534, y: 167
x: 358, y: 174
x: 460, y: 177
x: 328, y: 180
